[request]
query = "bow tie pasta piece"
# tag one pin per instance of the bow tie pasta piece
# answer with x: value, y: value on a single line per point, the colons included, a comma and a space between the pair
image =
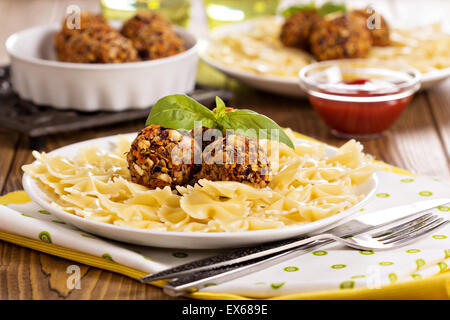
x: 199, y: 205
x: 306, y: 186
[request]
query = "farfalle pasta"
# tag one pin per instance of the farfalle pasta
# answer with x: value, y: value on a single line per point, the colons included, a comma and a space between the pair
x: 258, y: 49
x: 306, y: 186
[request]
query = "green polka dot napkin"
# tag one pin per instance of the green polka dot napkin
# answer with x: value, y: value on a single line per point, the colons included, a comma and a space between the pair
x: 334, y: 267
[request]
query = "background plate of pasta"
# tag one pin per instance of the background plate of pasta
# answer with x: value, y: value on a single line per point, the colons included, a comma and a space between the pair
x: 313, y: 187
x: 254, y: 53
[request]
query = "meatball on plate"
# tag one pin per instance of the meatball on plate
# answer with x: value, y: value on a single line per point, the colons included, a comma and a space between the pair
x: 297, y: 28
x: 267, y: 53
x: 162, y: 157
x: 342, y: 37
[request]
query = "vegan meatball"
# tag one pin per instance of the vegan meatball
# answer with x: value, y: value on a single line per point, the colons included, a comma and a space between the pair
x: 132, y: 27
x: 380, y: 34
x: 96, y: 45
x: 94, y: 42
x: 297, y: 28
x: 86, y: 20
x: 162, y: 157
x: 345, y: 36
x: 152, y: 35
x: 236, y: 158
x: 204, y: 136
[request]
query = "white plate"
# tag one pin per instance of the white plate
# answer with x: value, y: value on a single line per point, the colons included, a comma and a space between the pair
x: 285, y: 85
x: 36, y: 75
x: 186, y: 240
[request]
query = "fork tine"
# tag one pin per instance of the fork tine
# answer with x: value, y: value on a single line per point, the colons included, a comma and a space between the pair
x: 401, y: 226
x: 422, y: 231
x: 411, y: 230
x: 407, y: 228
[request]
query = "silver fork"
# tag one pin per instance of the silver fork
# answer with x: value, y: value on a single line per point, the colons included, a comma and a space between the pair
x: 393, y: 237
x: 380, y: 240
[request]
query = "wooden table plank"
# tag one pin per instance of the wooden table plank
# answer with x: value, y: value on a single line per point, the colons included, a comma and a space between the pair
x: 439, y: 98
x: 8, y: 142
x: 28, y: 274
x: 414, y: 143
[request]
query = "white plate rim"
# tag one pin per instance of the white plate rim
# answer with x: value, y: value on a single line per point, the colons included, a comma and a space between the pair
x: 31, y: 187
x: 426, y: 79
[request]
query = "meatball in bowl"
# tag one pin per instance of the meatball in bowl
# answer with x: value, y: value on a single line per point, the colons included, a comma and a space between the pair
x: 97, y: 67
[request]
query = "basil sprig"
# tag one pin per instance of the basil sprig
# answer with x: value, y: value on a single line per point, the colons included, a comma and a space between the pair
x: 299, y: 7
x: 331, y: 7
x: 179, y: 111
x: 326, y: 8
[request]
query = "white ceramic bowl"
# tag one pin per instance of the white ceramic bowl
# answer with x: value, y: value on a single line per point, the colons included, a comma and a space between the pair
x: 185, y: 240
x: 37, y: 76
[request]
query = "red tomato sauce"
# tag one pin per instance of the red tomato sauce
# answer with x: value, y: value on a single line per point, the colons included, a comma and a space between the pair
x: 359, y: 117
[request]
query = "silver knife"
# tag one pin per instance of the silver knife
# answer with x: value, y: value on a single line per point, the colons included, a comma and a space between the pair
x: 194, y: 274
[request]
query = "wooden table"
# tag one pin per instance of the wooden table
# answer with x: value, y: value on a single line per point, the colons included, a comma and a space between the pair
x: 419, y: 142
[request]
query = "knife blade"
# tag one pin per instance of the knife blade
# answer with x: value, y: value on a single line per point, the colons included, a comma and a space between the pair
x: 195, y: 280
x: 360, y: 224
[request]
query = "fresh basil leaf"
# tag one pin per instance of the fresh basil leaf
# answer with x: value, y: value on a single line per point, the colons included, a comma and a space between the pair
x: 220, y: 112
x: 301, y: 7
x: 182, y: 112
x: 179, y: 111
x: 220, y: 108
x: 330, y: 7
x: 249, y: 123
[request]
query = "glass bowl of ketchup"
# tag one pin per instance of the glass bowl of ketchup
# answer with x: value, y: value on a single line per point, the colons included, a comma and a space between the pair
x: 359, y: 98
